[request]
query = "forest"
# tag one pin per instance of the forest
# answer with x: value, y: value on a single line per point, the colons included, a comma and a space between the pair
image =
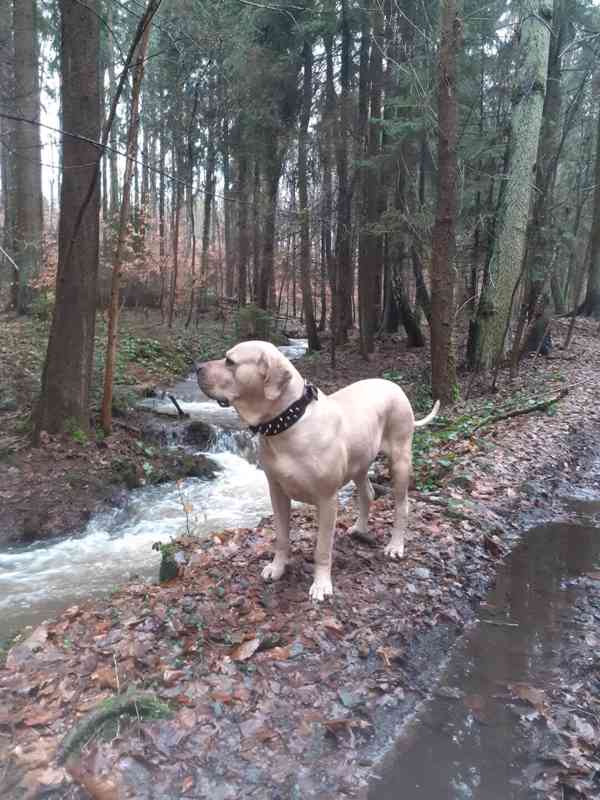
x: 362, y: 168
x: 380, y: 189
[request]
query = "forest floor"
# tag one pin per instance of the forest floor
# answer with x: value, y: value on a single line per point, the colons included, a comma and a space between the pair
x: 217, y: 685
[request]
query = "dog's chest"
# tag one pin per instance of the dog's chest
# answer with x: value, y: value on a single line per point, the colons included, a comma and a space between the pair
x: 300, y: 480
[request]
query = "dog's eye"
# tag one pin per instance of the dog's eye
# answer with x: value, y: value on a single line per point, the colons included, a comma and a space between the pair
x: 229, y: 362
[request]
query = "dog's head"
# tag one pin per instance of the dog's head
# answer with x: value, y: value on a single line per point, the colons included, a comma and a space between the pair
x: 254, y: 377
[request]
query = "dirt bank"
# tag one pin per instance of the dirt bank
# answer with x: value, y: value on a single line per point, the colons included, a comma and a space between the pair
x: 269, y: 696
x: 53, y: 489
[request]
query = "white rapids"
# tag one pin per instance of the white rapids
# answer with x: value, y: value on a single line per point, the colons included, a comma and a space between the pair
x: 41, y: 578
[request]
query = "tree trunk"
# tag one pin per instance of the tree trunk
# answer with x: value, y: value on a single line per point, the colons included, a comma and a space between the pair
x: 191, y: 200
x: 591, y: 303
x: 327, y: 153
x: 27, y: 152
x: 67, y: 371
x: 273, y: 174
x: 228, y: 226
x: 162, y: 232
x: 443, y: 247
x: 305, y: 243
x: 114, y: 132
x: 130, y: 164
x: 509, y: 244
x: 177, y: 192
x: 344, y: 283
x: 541, y: 236
x: 7, y: 133
x: 370, y: 245
x: 256, y: 231
x: 243, y: 240
x: 209, y: 192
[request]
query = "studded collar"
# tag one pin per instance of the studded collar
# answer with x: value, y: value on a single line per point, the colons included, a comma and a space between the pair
x: 290, y: 416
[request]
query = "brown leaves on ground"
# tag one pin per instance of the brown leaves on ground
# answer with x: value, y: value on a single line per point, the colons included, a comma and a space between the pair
x: 271, y: 695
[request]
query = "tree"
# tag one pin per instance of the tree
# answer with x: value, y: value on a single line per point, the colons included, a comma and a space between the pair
x: 132, y: 140
x: 305, y: 248
x: 7, y: 164
x: 443, y: 371
x: 541, y: 240
x: 28, y: 172
x: 67, y: 372
x: 591, y: 303
x: 370, y: 242
x: 506, y: 258
x: 344, y: 275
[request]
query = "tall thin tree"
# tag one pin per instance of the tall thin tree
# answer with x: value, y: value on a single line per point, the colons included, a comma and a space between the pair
x: 28, y: 171
x: 132, y: 140
x: 305, y: 242
x: 443, y: 270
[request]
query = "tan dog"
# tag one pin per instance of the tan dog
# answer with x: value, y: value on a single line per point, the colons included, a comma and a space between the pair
x: 330, y: 440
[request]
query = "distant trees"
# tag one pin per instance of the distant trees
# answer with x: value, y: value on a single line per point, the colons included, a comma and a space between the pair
x: 348, y: 161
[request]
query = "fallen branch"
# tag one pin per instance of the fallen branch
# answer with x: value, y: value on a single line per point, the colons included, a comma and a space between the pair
x: 541, y: 405
x: 131, y: 704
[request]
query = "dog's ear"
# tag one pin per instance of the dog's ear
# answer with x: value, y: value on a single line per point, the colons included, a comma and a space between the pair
x: 277, y: 376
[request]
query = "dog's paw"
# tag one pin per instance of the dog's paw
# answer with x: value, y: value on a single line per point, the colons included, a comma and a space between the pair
x: 274, y: 570
x: 394, y: 550
x: 356, y: 530
x: 320, y: 589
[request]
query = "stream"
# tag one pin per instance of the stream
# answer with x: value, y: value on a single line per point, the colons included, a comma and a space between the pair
x: 40, y: 579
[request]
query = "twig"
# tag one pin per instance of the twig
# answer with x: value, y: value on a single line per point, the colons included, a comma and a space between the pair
x: 117, y: 674
x: 180, y: 411
x: 505, y: 624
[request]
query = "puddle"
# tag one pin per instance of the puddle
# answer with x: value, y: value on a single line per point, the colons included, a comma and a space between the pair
x: 468, y: 743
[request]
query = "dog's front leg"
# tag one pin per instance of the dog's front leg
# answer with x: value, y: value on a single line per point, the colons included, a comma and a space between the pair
x: 321, y: 586
x: 281, y: 509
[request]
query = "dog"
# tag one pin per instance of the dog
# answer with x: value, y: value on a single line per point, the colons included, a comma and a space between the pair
x: 311, y: 444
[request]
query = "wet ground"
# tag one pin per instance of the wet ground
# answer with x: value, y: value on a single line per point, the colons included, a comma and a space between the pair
x: 473, y: 739
x: 274, y: 698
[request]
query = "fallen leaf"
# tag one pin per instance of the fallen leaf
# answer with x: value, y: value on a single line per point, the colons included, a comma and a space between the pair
x: 245, y: 650
x: 42, y: 717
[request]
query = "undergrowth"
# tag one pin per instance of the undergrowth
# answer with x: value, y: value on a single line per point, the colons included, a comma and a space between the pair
x: 432, y: 446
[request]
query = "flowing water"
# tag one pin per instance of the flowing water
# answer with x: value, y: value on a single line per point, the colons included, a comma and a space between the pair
x: 39, y: 579
x: 468, y: 743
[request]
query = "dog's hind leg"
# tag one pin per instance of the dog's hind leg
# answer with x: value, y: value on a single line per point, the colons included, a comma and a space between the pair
x: 365, y: 496
x: 321, y: 586
x: 401, y: 459
x: 281, y: 508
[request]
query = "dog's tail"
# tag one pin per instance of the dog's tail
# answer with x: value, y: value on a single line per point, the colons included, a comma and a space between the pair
x: 430, y: 417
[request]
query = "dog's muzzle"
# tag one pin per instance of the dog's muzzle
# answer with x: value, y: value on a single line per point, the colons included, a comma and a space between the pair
x: 199, y: 368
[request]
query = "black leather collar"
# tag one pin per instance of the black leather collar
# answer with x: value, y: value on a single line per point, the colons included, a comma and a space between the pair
x: 288, y: 417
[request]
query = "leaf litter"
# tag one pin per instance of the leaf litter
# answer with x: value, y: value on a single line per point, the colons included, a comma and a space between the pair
x: 271, y: 696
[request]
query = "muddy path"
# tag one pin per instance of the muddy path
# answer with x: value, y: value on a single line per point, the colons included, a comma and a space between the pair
x: 515, y: 712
